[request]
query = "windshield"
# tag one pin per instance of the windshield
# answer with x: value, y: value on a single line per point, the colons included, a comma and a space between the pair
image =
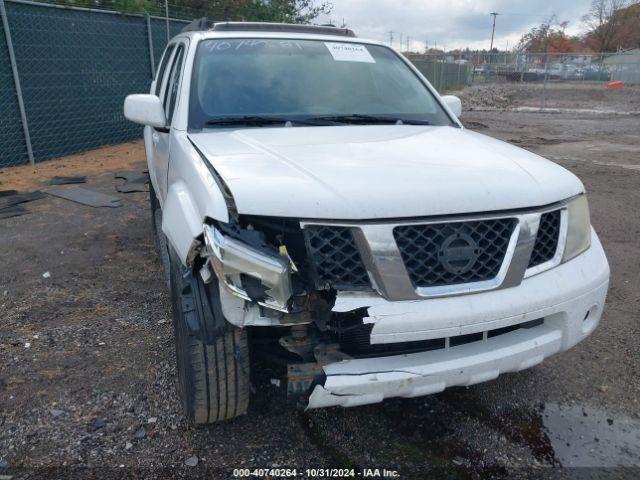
x: 268, y: 81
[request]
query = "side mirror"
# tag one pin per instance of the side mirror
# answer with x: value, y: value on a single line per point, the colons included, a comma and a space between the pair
x: 454, y: 104
x: 145, y: 109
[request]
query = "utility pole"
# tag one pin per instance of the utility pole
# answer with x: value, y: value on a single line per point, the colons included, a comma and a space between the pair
x: 408, y: 37
x: 391, y: 38
x: 493, y: 30
x: 400, y: 41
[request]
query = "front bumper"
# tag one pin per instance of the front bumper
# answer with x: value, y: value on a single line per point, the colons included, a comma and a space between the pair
x: 569, y: 298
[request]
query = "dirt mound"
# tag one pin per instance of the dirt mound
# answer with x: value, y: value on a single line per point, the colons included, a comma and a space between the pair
x: 571, y: 95
x: 487, y: 97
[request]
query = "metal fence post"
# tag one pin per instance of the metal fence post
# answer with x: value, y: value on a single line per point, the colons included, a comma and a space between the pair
x: 544, y: 84
x: 600, y: 67
x: 166, y: 16
x: 16, y: 81
x: 150, y: 40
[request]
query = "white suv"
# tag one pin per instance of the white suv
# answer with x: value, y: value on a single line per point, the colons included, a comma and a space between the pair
x: 318, y: 204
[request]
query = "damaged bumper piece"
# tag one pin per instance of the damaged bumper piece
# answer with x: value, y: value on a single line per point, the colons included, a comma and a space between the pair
x: 556, y: 310
x: 370, y: 380
x: 362, y: 381
x: 247, y: 272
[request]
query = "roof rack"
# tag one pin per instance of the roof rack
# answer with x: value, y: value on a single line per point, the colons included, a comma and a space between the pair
x: 204, y: 24
x: 281, y: 27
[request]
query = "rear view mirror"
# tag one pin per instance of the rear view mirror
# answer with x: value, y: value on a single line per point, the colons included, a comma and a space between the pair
x: 454, y: 104
x: 145, y: 109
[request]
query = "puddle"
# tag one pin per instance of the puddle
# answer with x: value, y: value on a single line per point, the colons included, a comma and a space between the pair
x: 583, y: 436
x: 593, y: 111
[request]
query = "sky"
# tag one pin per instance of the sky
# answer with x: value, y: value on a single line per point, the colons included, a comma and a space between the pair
x: 452, y: 23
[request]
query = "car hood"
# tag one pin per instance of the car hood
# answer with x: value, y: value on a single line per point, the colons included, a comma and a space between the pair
x: 373, y: 172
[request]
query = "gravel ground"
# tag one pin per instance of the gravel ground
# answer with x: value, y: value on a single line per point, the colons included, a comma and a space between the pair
x: 87, y: 371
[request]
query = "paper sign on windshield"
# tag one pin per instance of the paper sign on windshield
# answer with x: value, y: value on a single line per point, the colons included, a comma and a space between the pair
x: 349, y: 52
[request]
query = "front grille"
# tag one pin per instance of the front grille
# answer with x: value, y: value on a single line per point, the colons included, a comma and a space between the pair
x: 335, y: 257
x: 547, y: 238
x: 455, y: 252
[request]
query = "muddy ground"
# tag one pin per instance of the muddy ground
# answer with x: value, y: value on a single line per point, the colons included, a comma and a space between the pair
x: 87, y: 369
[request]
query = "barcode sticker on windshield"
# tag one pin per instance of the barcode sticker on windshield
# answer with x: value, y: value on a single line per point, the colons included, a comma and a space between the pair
x: 349, y: 52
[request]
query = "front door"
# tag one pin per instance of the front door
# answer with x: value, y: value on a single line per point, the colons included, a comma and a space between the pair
x: 167, y: 88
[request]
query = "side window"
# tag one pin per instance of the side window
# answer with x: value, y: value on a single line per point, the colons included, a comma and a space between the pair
x: 171, y: 91
x: 163, y: 67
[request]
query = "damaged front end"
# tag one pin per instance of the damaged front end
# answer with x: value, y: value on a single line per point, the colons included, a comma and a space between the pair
x: 262, y: 268
x: 268, y: 278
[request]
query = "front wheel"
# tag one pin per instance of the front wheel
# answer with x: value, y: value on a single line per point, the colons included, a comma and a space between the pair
x: 212, y: 355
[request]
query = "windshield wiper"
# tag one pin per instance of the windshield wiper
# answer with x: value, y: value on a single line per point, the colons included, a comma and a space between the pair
x: 352, y: 118
x: 253, y: 120
x: 363, y: 119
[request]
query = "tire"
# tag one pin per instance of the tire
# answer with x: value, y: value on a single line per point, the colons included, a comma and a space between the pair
x: 160, y: 240
x: 212, y: 360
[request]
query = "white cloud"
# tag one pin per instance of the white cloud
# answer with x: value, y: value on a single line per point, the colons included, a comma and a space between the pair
x: 452, y: 23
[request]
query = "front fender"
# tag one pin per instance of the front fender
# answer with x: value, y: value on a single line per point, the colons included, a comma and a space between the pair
x: 192, y: 196
x: 181, y: 220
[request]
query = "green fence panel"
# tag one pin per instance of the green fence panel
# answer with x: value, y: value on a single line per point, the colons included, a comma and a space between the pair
x: 76, y: 67
x: 443, y: 75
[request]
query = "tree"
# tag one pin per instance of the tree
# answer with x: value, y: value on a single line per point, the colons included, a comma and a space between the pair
x: 603, y: 22
x: 545, y: 38
x: 288, y: 11
x: 628, y: 33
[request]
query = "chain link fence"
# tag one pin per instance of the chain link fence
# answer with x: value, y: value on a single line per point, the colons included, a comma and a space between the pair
x: 538, y: 67
x: 75, y: 67
x: 595, y: 82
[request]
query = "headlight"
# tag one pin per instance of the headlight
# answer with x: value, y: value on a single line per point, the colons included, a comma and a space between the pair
x: 232, y: 259
x: 578, y: 228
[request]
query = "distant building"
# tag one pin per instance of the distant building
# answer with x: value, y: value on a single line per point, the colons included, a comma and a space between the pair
x: 624, y: 66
